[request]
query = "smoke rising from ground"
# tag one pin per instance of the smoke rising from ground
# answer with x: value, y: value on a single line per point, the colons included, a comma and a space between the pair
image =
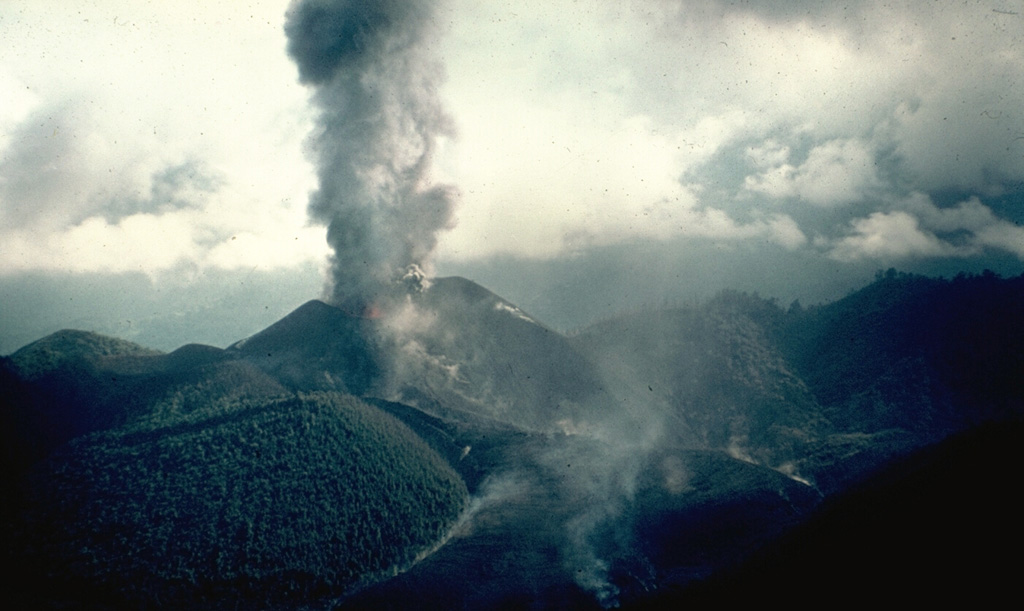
x: 380, y: 118
x: 375, y: 85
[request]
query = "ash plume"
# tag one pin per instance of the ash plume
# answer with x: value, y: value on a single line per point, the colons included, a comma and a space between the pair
x: 375, y: 85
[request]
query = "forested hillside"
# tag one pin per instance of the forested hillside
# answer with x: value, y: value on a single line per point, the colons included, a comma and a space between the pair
x: 920, y: 354
x: 711, y: 376
x: 256, y: 502
x: 492, y: 459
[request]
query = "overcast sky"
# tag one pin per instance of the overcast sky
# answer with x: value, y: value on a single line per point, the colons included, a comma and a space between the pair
x: 607, y: 154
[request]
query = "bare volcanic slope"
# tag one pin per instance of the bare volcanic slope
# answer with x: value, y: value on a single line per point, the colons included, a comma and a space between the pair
x: 315, y: 347
x: 507, y: 363
x: 454, y: 349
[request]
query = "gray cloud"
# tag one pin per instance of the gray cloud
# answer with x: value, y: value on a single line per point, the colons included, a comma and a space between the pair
x: 325, y: 37
x: 59, y: 170
x: 865, y: 104
x: 380, y: 118
x: 45, y: 171
x: 650, y: 130
x: 820, y: 114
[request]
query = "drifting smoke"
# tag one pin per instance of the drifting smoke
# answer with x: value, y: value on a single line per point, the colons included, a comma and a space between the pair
x: 602, y: 471
x: 375, y: 86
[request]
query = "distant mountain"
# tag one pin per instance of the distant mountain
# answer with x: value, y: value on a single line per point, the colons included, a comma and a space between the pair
x: 446, y: 449
x: 920, y: 354
x: 69, y: 347
x: 72, y: 383
x: 60, y: 387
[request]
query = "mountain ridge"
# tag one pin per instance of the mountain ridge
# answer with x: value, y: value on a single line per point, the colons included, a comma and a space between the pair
x: 592, y: 447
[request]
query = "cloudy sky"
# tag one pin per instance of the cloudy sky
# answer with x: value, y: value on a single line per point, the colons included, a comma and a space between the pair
x: 155, y: 171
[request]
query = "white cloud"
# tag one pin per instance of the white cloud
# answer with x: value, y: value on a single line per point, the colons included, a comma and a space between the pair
x: 579, y: 124
x: 959, y: 127
x: 19, y: 100
x: 887, y: 236
x: 842, y: 106
x: 1003, y: 235
x: 112, y: 99
x: 835, y: 173
x: 984, y: 229
x: 919, y: 228
x: 152, y: 243
x: 786, y: 233
x: 539, y: 184
x: 769, y: 154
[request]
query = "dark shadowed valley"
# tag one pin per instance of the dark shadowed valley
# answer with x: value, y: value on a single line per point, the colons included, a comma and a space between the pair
x: 446, y: 450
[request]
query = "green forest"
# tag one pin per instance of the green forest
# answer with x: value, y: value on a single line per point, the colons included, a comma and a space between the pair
x: 270, y: 500
x: 486, y: 458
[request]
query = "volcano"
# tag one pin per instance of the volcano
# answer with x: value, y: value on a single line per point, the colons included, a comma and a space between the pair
x: 454, y: 346
x: 456, y: 452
